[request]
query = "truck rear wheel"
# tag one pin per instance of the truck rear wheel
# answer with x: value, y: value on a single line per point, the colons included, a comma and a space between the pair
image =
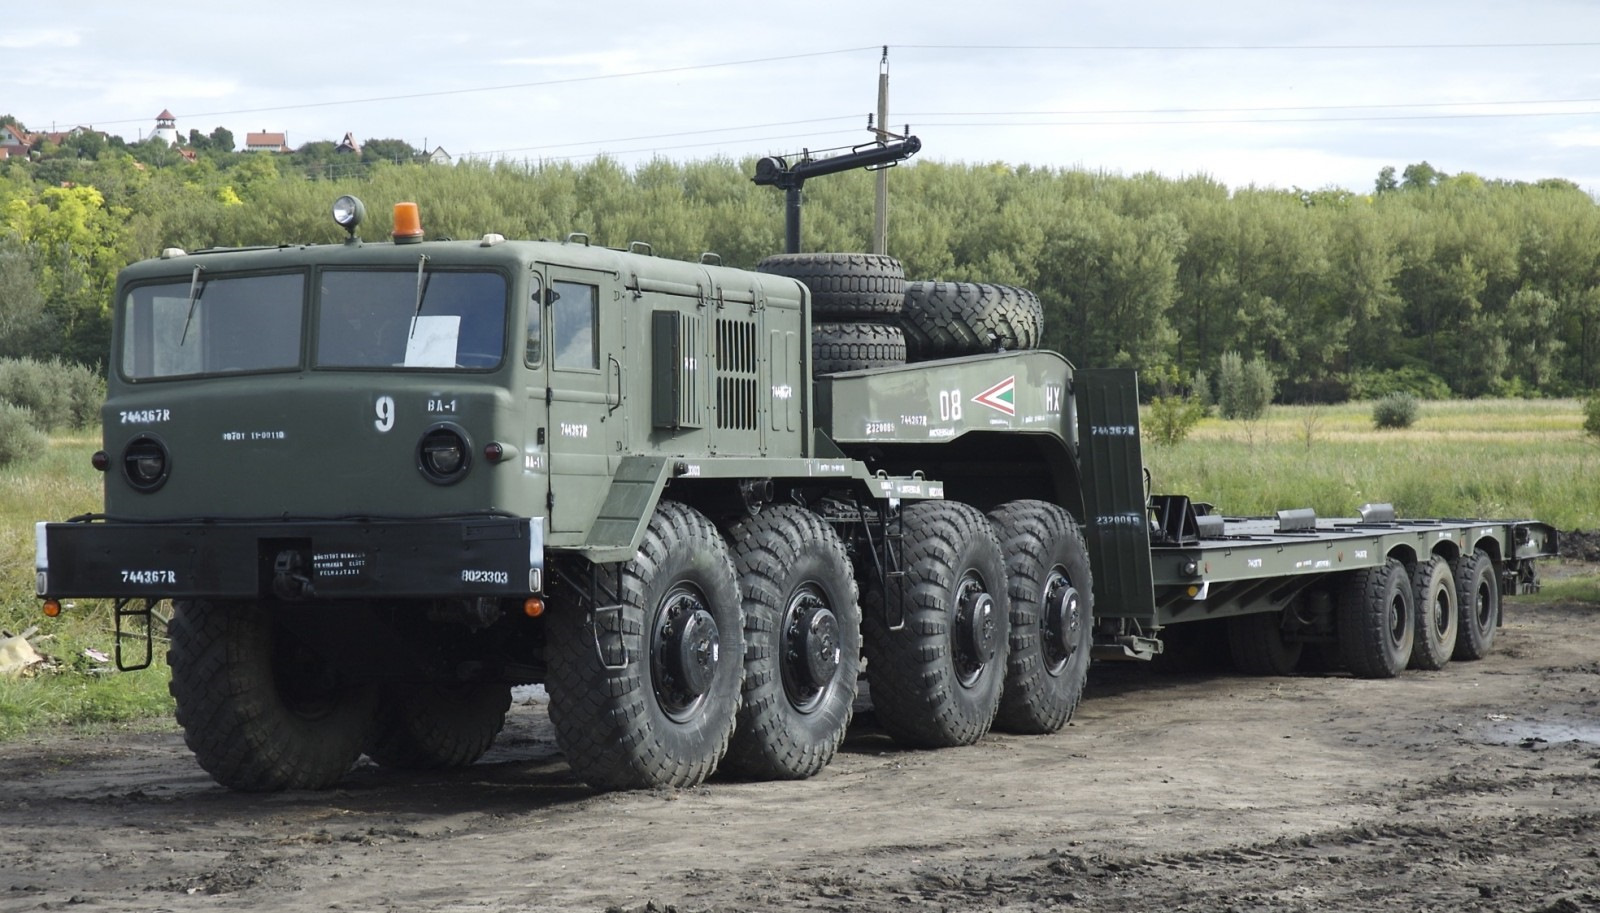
x: 1438, y: 614
x: 1258, y: 646
x: 259, y: 708
x: 437, y: 725
x: 1377, y: 621
x: 660, y: 710
x: 936, y: 681
x: 802, y: 631
x: 1478, y: 598
x: 1052, y: 615
x: 845, y: 286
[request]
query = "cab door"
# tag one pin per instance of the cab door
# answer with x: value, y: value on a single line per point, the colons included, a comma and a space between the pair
x: 583, y: 323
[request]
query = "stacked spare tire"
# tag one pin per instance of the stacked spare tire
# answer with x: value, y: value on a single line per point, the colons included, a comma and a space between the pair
x: 866, y: 315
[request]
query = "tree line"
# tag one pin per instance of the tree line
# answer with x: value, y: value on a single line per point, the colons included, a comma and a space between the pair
x: 1433, y: 284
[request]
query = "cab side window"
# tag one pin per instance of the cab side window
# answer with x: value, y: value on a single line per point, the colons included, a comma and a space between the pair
x: 534, y: 346
x: 574, y: 316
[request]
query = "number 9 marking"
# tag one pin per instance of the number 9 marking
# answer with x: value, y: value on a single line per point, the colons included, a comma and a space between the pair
x: 385, y: 410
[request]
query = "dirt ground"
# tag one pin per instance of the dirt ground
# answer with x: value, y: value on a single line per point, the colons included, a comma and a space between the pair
x: 1475, y: 788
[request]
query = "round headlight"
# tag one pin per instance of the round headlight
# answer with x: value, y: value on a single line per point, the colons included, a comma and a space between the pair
x: 443, y: 454
x: 348, y: 212
x: 145, y: 464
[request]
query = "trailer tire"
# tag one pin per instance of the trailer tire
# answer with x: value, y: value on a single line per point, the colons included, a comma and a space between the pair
x: 845, y: 286
x: 1438, y: 614
x: 1478, y: 591
x: 855, y: 347
x: 261, y: 710
x: 1377, y: 621
x: 1051, y: 596
x: 437, y: 726
x: 802, y: 644
x: 944, y: 319
x: 661, y: 714
x: 936, y: 682
x: 1258, y: 647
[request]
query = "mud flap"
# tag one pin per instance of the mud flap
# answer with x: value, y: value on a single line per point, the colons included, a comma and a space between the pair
x: 1117, y: 526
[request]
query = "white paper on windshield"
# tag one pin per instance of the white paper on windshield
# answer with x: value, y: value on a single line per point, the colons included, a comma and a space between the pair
x: 432, y: 343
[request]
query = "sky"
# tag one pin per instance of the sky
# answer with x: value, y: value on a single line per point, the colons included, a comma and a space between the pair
x: 1284, y: 94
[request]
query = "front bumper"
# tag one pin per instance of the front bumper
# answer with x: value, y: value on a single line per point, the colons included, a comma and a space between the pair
x: 317, y: 559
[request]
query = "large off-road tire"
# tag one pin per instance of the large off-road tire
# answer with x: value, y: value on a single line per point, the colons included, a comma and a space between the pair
x: 1478, y: 592
x: 845, y: 286
x: 437, y: 726
x: 1438, y: 614
x: 945, y: 319
x: 936, y: 682
x: 802, y: 650
x: 1377, y: 621
x: 660, y: 710
x: 855, y: 347
x: 1052, y: 615
x: 1258, y: 646
x: 261, y: 710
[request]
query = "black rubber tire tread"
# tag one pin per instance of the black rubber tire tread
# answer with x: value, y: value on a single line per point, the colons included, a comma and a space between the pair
x: 1257, y: 646
x: 609, y: 722
x: 1039, y: 539
x: 917, y: 696
x: 234, y: 719
x: 946, y: 319
x: 1478, y: 591
x: 1438, y: 607
x: 1368, y: 643
x: 437, y: 726
x: 845, y: 286
x: 855, y: 347
x: 777, y: 553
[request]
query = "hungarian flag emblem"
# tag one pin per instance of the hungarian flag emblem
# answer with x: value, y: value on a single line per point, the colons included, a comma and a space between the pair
x: 1001, y: 396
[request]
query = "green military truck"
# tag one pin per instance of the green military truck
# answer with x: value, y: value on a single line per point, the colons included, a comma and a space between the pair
x: 381, y: 483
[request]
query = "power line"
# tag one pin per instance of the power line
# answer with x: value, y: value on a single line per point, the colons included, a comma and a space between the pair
x: 636, y: 139
x: 1261, y: 120
x: 1246, y: 47
x: 1386, y: 105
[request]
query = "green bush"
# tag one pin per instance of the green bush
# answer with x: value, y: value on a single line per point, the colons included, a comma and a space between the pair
x: 1244, y: 388
x: 1591, y: 416
x: 1397, y: 410
x: 57, y: 394
x: 19, y: 439
x: 1171, y: 418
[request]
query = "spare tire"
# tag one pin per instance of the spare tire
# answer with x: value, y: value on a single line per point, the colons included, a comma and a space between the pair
x: 845, y: 286
x: 944, y: 319
x: 855, y: 346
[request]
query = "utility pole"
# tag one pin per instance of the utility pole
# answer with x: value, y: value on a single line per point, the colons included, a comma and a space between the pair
x: 880, y: 222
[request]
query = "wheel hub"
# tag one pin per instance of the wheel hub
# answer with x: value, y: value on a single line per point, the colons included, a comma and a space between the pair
x: 811, y: 649
x: 693, y: 645
x: 975, y: 629
x: 1062, y: 620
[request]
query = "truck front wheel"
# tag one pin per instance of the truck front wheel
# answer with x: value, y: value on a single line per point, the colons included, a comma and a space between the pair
x: 936, y: 679
x: 660, y: 708
x: 1052, y: 615
x: 260, y: 709
x: 802, y: 630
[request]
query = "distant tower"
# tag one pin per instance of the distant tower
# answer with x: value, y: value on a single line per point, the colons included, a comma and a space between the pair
x: 166, y: 127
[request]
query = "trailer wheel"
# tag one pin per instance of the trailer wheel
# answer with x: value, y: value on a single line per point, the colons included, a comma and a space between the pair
x: 944, y: 319
x: 660, y: 710
x: 1438, y: 614
x: 936, y: 681
x: 259, y: 708
x: 1258, y: 646
x: 845, y: 286
x: 855, y: 347
x: 1478, y: 599
x: 802, y: 653
x: 1377, y: 621
x: 1051, y: 597
x: 437, y: 726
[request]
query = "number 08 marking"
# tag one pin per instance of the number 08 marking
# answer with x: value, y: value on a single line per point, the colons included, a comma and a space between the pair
x: 385, y: 409
x: 949, y: 405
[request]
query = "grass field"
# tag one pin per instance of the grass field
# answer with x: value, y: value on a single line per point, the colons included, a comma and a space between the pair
x: 1493, y: 459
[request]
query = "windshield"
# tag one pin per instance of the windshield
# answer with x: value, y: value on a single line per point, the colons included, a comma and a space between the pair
x: 216, y: 326
x: 411, y: 319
